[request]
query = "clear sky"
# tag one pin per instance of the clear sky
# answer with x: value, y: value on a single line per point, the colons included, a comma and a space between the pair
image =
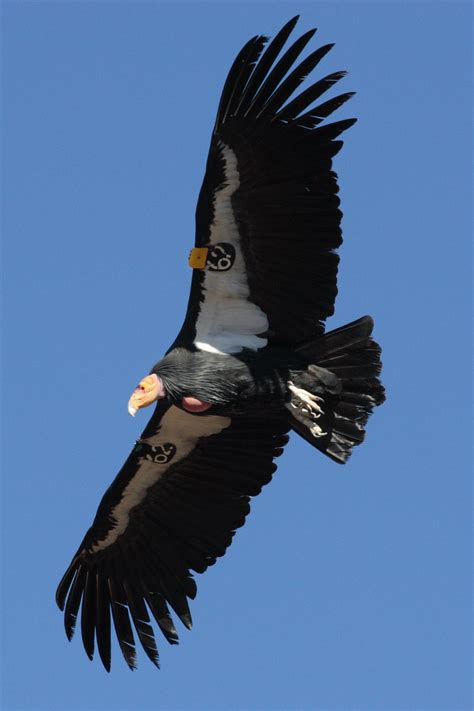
x: 348, y: 588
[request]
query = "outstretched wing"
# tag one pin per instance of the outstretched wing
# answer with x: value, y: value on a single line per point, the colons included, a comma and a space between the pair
x: 268, y: 218
x: 173, y: 507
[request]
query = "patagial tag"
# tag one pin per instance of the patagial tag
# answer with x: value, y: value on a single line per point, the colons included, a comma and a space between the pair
x: 159, y: 453
x: 221, y: 257
x: 217, y: 258
x: 198, y: 257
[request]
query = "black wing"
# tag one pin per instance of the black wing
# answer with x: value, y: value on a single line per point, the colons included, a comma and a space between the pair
x: 268, y: 210
x: 173, y: 507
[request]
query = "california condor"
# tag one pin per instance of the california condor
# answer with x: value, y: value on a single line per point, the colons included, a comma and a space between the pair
x: 251, y: 361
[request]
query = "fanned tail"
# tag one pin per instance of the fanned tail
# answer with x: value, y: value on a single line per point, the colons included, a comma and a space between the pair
x: 334, y: 397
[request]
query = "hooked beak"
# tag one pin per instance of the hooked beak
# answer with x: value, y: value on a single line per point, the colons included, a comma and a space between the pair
x: 148, y: 390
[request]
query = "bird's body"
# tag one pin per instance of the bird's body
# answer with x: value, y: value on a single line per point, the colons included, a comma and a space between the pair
x: 229, y: 381
x: 251, y: 361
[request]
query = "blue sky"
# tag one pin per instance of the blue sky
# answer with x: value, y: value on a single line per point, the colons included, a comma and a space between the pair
x: 348, y: 588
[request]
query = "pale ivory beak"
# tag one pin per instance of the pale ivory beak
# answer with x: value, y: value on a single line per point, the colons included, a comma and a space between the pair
x: 149, y: 389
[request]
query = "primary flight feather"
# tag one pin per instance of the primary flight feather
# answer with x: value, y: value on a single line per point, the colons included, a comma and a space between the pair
x: 251, y: 361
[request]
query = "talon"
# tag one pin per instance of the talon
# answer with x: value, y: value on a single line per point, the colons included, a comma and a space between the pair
x: 307, y: 398
x: 316, y: 431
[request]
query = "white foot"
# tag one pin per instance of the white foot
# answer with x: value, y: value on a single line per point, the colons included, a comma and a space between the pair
x: 316, y: 431
x: 311, y: 401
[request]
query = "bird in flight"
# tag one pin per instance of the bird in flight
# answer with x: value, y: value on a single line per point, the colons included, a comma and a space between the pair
x: 251, y: 363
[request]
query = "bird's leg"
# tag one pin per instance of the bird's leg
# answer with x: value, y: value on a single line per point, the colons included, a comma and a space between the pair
x: 310, y: 406
x: 316, y: 431
x: 311, y: 401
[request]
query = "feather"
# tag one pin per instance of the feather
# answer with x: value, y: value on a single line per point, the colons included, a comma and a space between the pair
x: 88, y: 616
x: 277, y: 74
x: 157, y: 605
x: 293, y: 80
x: 317, y: 114
x: 244, y: 75
x: 307, y: 97
x: 238, y: 76
x: 65, y: 584
x: 103, y: 620
x: 122, y: 620
x: 73, y: 601
x: 139, y: 613
x: 263, y: 66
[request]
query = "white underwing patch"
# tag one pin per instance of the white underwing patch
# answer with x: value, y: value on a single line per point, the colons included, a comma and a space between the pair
x: 227, y: 320
x: 183, y: 430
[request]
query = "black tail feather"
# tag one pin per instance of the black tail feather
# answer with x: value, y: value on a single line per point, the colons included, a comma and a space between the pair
x: 345, y: 379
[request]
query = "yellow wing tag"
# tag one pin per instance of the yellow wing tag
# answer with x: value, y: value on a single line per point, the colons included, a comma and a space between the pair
x: 198, y: 257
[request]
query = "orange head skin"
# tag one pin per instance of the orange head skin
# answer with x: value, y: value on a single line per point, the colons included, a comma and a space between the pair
x: 148, y: 390
x: 151, y: 389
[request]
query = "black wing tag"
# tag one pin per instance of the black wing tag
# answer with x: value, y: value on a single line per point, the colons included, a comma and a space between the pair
x: 217, y: 258
x: 221, y: 257
x: 158, y: 453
